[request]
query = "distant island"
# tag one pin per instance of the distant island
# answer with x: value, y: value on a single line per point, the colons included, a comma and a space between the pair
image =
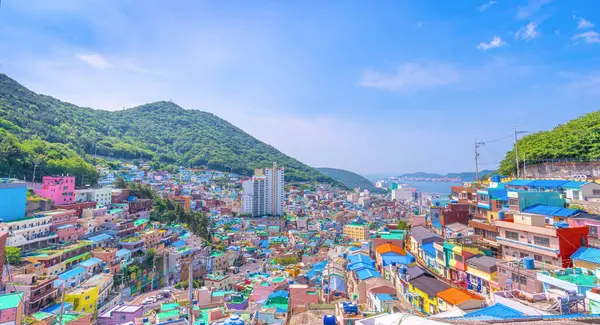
x: 450, y: 177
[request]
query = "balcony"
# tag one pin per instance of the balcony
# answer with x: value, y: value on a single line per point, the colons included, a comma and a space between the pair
x: 530, y: 247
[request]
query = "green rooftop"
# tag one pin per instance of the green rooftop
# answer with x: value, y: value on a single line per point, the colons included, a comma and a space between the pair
x: 141, y: 221
x: 167, y: 307
x: 10, y: 300
x: 168, y: 314
x: 216, y: 254
x: 40, y: 315
x: 222, y: 293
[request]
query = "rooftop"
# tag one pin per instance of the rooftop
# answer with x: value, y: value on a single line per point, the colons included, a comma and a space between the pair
x: 10, y: 300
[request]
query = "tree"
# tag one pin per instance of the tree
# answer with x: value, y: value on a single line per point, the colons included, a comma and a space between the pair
x: 402, y: 225
x: 13, y: 255
x: 120, y: 182
x: 149, y: 257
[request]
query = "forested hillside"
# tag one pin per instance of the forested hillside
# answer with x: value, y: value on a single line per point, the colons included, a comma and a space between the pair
x: 160, y: 132
x: 349, y: 179
x: 578, y: 139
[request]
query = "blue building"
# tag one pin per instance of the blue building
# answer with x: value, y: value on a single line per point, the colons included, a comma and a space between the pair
x: 13, y: 199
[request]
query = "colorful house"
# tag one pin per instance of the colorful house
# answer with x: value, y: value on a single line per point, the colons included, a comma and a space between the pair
x: 423, y: 293
x: 59, y: 189
x: 84, y: 299
x: 453, y: 297
x: 11, y: 308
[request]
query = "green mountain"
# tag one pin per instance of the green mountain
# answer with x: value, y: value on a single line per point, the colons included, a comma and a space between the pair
x: 578, y: 139
x: 160, y: 132
x: 349, y: 179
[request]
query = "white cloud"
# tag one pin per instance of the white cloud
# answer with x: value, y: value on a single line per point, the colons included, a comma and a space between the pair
x: 583, y: 23
x: 411, y: 76
x: 95, y: 60
x: 484, y: 6
x: 527, y: 32
x: 590, y: 37
x: 531, y: 8
x: 495, y: 42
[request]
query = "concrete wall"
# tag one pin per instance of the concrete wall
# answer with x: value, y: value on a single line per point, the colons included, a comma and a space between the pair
x: 564, y: 170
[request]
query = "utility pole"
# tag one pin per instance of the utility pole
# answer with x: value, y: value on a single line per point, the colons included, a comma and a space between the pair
x: 153, y: 272
x: 191, y: 292
x: 477, y: 145
x: 62, y: 303
x: 517, y: 148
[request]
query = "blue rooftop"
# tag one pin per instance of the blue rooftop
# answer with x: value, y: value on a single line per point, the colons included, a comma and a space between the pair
x: 436, y: 224
x: 122, y: 252
x: 519, y: 182
x: 358, y: 258
x: 99, y: 238
x: 90, y: 262
x: 71, y: 273
x: 384, y: 297
x: 361, y: 265
x: 337, y: 283
x: 395, y: 258
x: 550, y: 211
x: 365, y: 274
x: 178, y: 243
x: 573, y: 185
x: 547, y: 183
x: 587, y: 254
x: 428, y: 249
x: 497, y: 311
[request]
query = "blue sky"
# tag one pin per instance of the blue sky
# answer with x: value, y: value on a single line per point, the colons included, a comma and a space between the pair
x: 369, y: 86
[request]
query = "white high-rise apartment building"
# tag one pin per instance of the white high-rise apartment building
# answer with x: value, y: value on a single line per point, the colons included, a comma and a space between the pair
x: 264, y: 193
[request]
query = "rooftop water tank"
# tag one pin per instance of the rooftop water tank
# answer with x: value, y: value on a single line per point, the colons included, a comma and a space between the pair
x: 528, y: 263
x: 496, y: 178
x: 329, y: 320
x: 501, y: 215
x: 234, y: 320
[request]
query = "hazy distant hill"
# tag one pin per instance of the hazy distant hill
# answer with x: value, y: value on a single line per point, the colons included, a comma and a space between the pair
x: 349, y: 179
x: 464, y: 177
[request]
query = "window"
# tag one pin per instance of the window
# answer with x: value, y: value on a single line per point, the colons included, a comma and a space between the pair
x: 513, y: 201
x: 440, y: 255
x: 519, y: 279
x: 512, y: 235
x: 523, y: 255
x: 596, y: 192
x: 499, y: 204
x: 458, y: 258
x: 541, y: 241
x: 87, y: 297
x: 538, y: 258
x: 593, y: 231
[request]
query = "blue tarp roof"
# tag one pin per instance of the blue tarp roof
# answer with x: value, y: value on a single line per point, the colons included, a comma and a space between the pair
x: 436, y: 224
x: 178, y: 243
x: 428, y: 249
x: 498, y: 311
x: 548, y: 183
x: 390, y: 258
x: 587, y: 254
x: 90, y: 262
x: 519, y: 182
x: 498, y: 193
x: 550, y: 211
x: 100, y: 238
x: 365, y: 274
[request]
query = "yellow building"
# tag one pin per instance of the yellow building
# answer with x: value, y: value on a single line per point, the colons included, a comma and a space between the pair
x: 84, y: 299
x: 423, y: 290
x: 357, y: 231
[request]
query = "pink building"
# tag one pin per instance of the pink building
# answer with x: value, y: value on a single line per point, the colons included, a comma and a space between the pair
x: 62, y: 217
x: 121, y: 314
x: 59, y: 189
x: 69, y: 233
x: 301, y: 295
